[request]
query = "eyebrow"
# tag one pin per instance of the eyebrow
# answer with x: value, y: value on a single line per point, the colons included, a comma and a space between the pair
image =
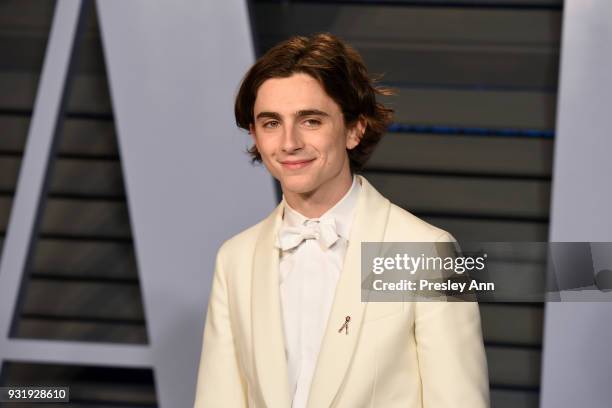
x: 298, y: 114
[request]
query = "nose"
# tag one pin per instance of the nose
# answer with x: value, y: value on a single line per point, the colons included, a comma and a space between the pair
x: 292, y: 140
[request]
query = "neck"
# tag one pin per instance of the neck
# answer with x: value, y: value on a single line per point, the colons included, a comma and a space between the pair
x: 315, y: 203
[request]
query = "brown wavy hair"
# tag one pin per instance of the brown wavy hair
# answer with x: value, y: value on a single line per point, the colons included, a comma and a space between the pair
x: 339, y: 69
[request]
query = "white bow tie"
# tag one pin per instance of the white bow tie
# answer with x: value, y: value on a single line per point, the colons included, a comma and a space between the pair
x: 323, y: 230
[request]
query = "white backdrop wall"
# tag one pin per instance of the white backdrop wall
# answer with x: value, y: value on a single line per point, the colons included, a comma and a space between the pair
x: 577, y: 363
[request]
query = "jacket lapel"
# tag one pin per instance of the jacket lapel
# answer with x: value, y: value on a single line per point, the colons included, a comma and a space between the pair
x: 336, y: 349
x: 268, y: 337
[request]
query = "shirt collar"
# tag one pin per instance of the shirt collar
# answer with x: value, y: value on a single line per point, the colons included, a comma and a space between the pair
x: 342, y: 211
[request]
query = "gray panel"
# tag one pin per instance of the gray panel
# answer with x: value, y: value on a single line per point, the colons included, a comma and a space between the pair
x: 517, y: 324
x: 577, y: 360
x: 93, y: 300
x: 84, y: 218
x: 488, y: 109
x: 439, y: 46
x: 86, y: 259
x: 5, y: 209
x: 72, y: 176
x: 465, y: 195
x: 19, y: 90
x: 411, y: 24
x: 512, y: 366
x: 34, y: 15
x: 89, y: 92
x: 493, y: 3
x: 67, y: 329
x: 464, y: 154
x: 478, y: 65
x: 14, y: 131
x: 491, y: 229
x: 501, y: 398
x: 84, y: 137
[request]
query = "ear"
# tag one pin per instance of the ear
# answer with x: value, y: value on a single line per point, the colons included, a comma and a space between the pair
x: 355, y: 133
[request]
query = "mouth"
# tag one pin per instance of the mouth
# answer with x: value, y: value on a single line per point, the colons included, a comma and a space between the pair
x: 297, y: 164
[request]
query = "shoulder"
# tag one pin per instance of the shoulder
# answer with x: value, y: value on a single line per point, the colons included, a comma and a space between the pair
x: 402, y: 225
x: 405, y: 226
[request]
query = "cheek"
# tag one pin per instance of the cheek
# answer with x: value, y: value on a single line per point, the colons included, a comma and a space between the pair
x: 267, y: 158
x: 337, y: 150
x: 333, y: 144
x: 265, y: 148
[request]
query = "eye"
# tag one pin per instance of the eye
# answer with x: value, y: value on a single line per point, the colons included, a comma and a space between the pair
x: 271, y: 124
x: 312, y: 122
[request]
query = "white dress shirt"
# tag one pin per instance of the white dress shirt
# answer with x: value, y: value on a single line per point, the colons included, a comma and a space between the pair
x: 309, y: 274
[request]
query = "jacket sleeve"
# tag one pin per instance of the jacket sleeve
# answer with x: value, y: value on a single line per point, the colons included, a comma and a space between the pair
x: 451, y: 354
x: 220, y: 380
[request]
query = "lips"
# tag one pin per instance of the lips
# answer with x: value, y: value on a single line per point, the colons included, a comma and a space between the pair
x: 296, y: 164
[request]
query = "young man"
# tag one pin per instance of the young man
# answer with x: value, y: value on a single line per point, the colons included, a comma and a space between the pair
x: 285, y: 325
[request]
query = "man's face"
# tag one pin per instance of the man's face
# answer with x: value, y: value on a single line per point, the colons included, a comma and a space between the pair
x: 300, y: 133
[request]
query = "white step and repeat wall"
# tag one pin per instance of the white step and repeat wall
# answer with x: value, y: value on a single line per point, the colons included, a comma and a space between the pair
x: 577, y: 362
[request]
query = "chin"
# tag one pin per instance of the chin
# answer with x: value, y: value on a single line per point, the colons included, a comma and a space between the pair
x: 298, y: 184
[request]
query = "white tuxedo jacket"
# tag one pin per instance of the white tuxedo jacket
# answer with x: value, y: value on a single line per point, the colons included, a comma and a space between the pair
x: 408, y: 355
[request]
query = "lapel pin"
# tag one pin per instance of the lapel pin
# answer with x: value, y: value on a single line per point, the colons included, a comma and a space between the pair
x: 345, y: 325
